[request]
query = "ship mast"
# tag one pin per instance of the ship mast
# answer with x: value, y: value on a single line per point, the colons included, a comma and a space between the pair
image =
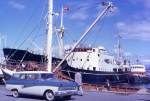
x: 108, y: 6
x: 49, y: 35
x: 61, y: 34
x: 119, y: 55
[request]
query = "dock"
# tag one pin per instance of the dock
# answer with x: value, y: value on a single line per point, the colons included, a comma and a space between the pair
x: 103, y: 87
x: 88, y: 96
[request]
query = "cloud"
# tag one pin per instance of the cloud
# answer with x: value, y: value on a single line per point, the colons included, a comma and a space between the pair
x: 16, y: 5
x: 84, y: 10
x: 128, y: 54
x: 79, y: 15
x: 80, y: 12
x: 146, y: 61
x: 144, y: 3
x: 135, y: 29
x: 136, y: 26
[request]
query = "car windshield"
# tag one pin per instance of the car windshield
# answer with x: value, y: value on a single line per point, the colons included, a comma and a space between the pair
x: 47, y: 76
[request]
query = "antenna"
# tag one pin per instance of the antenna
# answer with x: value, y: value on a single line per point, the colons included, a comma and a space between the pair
x: 119, y: 45
x: 119, y: 49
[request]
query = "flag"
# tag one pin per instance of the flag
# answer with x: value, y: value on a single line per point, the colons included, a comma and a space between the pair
x: 66, y: 8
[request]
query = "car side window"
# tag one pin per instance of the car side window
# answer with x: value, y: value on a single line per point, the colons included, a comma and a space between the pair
x: 22, y: 76
x: 47, y: 76
x: 29, y: 76
x: 16, y: 75
x: 33, y: 76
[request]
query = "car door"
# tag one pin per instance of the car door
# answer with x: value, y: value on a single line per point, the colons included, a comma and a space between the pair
x: 20, y: 82
x: 31, y: 85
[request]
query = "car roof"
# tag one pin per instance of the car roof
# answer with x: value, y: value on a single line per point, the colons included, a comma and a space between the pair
x: 32, y: 72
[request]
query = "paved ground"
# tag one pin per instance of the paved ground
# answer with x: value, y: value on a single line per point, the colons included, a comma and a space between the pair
x: 88, y: 96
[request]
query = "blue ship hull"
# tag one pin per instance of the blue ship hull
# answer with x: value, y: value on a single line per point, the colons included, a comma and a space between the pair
x: 138, y: 79
x: 96, y: 77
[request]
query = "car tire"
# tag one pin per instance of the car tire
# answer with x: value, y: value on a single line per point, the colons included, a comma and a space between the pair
x: 49, y: 95
x: 15, y: 93
x: 67, y: 97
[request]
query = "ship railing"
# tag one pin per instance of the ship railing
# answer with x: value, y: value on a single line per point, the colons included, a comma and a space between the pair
x: 29, y: 66
x: 12, y: 61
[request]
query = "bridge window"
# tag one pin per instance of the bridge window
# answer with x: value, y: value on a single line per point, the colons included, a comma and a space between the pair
x: 115, y: 69
x: 94, y: 68
x: 107, y: 61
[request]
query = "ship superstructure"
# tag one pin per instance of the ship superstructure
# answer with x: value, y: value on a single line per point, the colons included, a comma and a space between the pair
x: 95, y: 59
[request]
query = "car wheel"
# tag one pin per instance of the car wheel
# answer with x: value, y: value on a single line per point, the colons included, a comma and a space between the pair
x: 15, y: 93
x: 49, y: 95
x: 67, y: 97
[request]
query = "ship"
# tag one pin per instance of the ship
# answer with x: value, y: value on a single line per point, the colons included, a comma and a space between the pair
x: 137, y: 71
x: 96, y: 65
x: 138, y: 74
x: 26, y: 59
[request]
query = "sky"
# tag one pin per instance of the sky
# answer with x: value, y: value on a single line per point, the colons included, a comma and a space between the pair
x: 22, y: 20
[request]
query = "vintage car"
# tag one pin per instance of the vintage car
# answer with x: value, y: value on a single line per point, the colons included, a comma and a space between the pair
x: 40, y: 84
